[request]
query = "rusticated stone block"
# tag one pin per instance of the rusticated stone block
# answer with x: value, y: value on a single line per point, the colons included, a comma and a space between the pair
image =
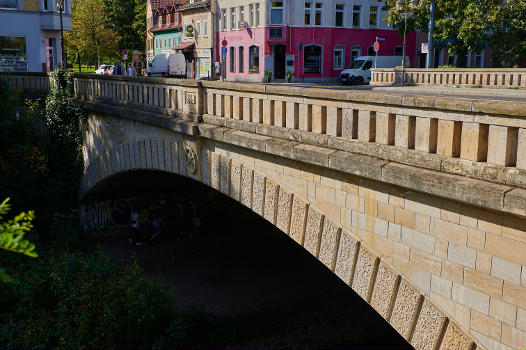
x: 385, y: 288
x: 142, y: 155
x: 346, y: 257
x: 405, y: 309
x: 271, y: 201
x: 167, y: 155
x: 456, y: 339
x: 298, y: 219
x: 148, y: 154
x: 235, y: 179
x: 215, y: 171
x: 258, y: 193
x: 154, y: 146
x: 225, y: 175
x: 312, y: 231
x: 174, y: 149
x: 364, y: 273
x: 247, y: 178
x: 329, y: 243
x: 429, y: 327
x: 284, y: 210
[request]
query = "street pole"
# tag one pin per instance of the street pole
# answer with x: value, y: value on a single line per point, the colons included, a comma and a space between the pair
x: 60, y: 4
x: 403, y: 49
x: 430, y: 53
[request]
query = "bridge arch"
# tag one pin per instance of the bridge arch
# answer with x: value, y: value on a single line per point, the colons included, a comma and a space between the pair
x: 409, y: 311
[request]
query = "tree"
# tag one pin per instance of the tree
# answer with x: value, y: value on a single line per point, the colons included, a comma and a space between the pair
x: 462, y: 25
x: 12, y: 235
x: 91, y: 37
x: 127, y: 18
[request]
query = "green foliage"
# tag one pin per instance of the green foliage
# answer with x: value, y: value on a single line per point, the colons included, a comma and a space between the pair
x: 127, y: 18
x: 268, y: 74
x: 12, y: 235
x: 447, y: 66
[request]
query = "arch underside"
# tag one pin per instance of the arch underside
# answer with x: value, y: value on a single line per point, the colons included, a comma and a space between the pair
x: 408, y: 310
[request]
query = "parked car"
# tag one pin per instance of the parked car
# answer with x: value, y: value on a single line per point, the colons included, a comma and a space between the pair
x: 359, y: 72
x: 167, y: 65
x: 104, y: 69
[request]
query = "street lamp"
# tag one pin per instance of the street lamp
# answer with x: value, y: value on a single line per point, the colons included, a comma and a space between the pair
x: 405, y: 8
x: 60, y: 5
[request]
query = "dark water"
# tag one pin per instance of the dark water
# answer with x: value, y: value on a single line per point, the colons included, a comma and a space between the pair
x: 262, y: 289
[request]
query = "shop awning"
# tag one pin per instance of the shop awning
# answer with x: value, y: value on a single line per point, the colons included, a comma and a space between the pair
x: 184, y: 46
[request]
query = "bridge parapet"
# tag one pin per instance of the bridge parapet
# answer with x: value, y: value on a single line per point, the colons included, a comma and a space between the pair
x: 29, y: 83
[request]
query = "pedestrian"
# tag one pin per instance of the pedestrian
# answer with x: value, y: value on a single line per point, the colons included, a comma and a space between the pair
x: 134, y: 227
x: 117, y: 69
x: 156, y: 225
x: 131, y: 70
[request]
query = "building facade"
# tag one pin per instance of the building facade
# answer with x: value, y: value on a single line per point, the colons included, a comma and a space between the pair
x: 30, y: 34
x: 199, y: 37
x: 313, y: 39
x: 164, y: 26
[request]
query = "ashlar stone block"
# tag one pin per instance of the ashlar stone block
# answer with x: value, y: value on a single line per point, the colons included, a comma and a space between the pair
x: 257, y: 110
x: 426, y: 130
x: 298, y: 219
x: 312, y: 231
x: 237, y: 107
x: 329, y: 243
x: 268, y: 112
x: 271, y: 201
x: 319, y: 119
x: 280, y: 116
x: 449, y: 133
x: 385, y: 288
x: 247, y: 109
x: 502, y: 145
x: 235, y: 179
x: 292, y: 115
x: 350, y: 123
x: 385, y: 128
x: 258, y: 194
x: 405, y: 309
x: 225, y: 175
x: 284, y: 210
x: 366, y: 126
x: 366, y: 265
x: 174, y: 149
x: 474, y: 142
x: 215, y: 170
x: 456, y: 339
x: 247, y: 178
x: 334, y: 121
x: 229, y: 108
x: 305, y: 117
x: 220, y: 105
x: 521, y: 149
x: 429, y: 327
x: 346, y: 258
x: 405, y: 131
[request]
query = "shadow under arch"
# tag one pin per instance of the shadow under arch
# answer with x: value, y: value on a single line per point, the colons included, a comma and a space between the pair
x: 398, y: 301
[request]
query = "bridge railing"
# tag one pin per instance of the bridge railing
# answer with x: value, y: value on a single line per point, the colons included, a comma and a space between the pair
x: 176, y: 97
x: 483, y: 77
x: 29, y: 83
x: 477, y: 138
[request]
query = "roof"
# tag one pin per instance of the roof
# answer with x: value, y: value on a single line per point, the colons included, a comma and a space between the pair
x: 197, y: 4
x: 158, y: 4
x: 171, y: 26
x: 184, y: 45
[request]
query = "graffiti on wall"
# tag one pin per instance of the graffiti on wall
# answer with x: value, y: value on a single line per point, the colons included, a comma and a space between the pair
x: 103, y: 215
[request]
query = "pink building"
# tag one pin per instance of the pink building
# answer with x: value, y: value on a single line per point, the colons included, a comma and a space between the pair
x: 314, y: 39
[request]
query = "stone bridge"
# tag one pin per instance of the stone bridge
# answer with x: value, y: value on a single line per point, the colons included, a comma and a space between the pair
x: 418, y: 203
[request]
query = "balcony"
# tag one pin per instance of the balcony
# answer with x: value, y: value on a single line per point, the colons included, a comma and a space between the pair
x: 51, y: 21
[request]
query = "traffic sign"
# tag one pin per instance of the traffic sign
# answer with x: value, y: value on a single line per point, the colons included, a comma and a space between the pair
x: 223, y: 50
x: 376, y: 46
x: 125, y: 52
x: 125, y: 57
x: 224, y: 43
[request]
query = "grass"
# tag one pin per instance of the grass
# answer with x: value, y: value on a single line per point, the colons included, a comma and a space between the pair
x: 476, y: 87
x: 84, y: 68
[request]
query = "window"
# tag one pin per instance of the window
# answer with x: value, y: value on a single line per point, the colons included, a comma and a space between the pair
x: 356, y: 16
x: 46, y: 5
x: 13, y: 52
x: 242, y: 13
x: 251, y: 15
x: 276, y: 12
x: 339, y: 54
x: 241, y: 50
x: 232, y: 18
x: 253, y: 59
x: 197, y: 29
x: 373, y: 16
x: 340, y: 9
x: 312, y: 59
x: 168, y: 19
x: 316, y: 16
x: 370, y: 51
x: 223, y: 19
x: 160, y: 20
x: 205, y: 27
x: 356, y: 51
x: 307, y: 13
x: 257, y: 16
x: 317, y: 19
x: 232, y: 59
x: 398, y: 51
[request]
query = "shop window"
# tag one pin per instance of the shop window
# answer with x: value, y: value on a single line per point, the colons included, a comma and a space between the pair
x: 312, y: 58
x: 13, y: 56
x: 253, y: 52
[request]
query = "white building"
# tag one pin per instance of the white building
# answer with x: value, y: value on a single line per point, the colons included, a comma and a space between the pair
x: 30, y: 34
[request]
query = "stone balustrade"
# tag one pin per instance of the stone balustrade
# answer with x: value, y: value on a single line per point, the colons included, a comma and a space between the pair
x: 29, y: 83
x: 483, y: 77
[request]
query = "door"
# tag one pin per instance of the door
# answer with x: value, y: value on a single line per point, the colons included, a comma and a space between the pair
x: 279, y: 61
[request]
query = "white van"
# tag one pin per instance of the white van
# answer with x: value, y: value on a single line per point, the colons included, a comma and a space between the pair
x: 167, y: 65
x: 359, y: 72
